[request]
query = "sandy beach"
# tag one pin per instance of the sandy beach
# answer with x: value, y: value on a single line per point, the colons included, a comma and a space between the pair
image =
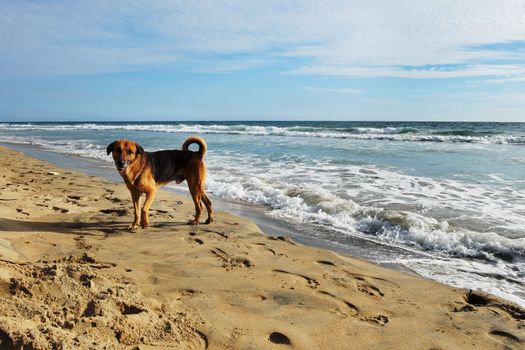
x: 73, y: 277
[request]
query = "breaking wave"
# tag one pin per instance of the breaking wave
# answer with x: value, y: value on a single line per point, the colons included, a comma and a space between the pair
x: 403, y: 134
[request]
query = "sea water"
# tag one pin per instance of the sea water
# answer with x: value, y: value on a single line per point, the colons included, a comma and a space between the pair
x: 446, y: 200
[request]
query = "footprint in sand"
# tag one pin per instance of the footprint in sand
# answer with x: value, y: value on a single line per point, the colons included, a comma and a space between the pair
x: 507, y: 336
x: 194, y: 239
x: 370, y: 290
x: 293, y: 297
x: 221, y: 234
x: 377, y: 280
x: 353, y: 309
x: 481, y: 299
x: 279, y: 338
x: 311, y: 282
x: 286, y: 298
x: 262, y: 246
x: 380, y: 320
x: 21, y: 211
x: 229, y: 262
x: 81, y: 243
x: 185, y: 294
x: 62, y: 210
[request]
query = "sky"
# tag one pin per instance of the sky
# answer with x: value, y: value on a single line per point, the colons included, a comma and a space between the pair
x: 262, y: 60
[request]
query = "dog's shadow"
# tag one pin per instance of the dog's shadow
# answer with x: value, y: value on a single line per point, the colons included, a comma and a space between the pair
x: 100, y: 228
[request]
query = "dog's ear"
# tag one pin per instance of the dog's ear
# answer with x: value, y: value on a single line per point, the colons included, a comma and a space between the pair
x: 110, y: 147
x: 140, y: 150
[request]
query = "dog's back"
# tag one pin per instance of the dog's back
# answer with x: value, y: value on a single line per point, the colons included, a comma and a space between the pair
x: 169, y: 165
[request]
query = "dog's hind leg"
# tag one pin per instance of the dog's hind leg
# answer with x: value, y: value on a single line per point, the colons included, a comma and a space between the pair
x: 145, y: 208
x: 207, y: 203
x: 196, y: 195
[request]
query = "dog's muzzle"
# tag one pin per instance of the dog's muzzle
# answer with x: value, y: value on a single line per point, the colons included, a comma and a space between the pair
x: 121, y: 165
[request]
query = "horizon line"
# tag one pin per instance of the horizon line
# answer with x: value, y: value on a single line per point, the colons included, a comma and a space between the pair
x: 260, y: 120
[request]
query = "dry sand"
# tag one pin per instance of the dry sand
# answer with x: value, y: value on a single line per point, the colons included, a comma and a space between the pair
x: 72, y: 277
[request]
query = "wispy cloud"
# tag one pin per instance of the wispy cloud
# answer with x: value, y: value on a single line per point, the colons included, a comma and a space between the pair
x: 463, y: 71
x: 332, y: 90
x: 403, y: 39
x: 503, y: 80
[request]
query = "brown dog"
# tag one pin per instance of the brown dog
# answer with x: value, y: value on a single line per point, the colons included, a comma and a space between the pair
x: 146, y: 172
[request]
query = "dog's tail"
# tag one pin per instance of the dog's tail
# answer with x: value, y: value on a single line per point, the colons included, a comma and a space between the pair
x: 199, y: 141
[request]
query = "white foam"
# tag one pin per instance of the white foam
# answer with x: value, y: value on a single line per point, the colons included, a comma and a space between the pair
x: 82, y: 148
x: 304, y: 203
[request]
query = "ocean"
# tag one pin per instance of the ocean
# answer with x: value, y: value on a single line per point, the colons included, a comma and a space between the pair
x: 445, y: 200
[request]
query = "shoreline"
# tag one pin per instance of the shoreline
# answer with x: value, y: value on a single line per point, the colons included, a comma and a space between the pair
x: 71, y: 276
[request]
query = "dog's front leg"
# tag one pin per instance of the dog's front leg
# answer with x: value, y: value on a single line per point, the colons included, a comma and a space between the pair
x: 145, y: 209
x: 135, y: 196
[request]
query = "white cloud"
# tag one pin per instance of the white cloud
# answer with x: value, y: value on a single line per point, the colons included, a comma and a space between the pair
x: 509, y: 79
x: 414, y: 73
x: 332, y: 90
x: 347, y: 38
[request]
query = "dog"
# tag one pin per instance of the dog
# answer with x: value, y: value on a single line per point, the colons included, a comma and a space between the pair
x: 145, y: 172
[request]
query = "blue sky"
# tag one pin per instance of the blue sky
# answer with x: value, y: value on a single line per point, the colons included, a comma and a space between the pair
x: 258, y: 60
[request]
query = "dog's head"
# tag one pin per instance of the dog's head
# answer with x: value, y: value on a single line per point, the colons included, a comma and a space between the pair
x: 124, y: 153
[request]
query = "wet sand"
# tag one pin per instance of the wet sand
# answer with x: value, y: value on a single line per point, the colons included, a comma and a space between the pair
x: 71, y: 276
